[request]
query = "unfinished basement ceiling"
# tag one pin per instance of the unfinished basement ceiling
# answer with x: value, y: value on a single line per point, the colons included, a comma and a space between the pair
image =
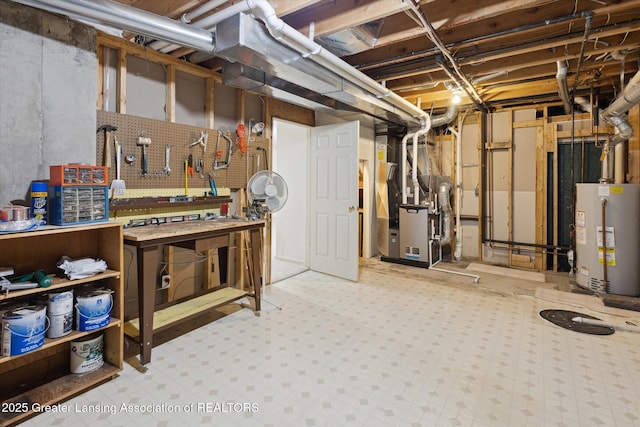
x: 508, y: 50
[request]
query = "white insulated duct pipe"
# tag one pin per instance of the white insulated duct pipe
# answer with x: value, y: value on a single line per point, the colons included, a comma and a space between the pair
x: 620, y: 160
x: 198, y: 12
x: 114, y: 14
x: 187, y: 18
x: 404, y: 167
x: 414, y: 168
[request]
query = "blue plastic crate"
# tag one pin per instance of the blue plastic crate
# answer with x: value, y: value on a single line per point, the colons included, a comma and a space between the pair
x: 78, y: 204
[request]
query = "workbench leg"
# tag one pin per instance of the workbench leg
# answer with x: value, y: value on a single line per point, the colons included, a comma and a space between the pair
x: 147, y: 266
x: 255, y: 259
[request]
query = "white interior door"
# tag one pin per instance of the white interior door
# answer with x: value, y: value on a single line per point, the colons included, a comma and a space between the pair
x: 333, y: 200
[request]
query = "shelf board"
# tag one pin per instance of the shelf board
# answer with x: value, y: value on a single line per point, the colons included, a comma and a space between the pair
x: 56, y: 391
x: 185, y: 310
x: 52, y: 342
x: 58, y: 283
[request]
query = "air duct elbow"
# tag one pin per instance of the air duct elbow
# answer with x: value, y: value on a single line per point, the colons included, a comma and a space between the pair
x: 446, y: 118
x: 623, y: 127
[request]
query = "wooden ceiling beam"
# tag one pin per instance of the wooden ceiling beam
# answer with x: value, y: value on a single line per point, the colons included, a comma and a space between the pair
x: 524, y: 58
x: 334, y: 16
x: 389, y: 53
x: 452, y: 13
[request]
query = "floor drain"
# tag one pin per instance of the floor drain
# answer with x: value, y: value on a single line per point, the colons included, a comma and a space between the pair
x: 563, y: 318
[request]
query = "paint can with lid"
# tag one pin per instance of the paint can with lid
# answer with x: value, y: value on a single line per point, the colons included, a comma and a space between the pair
x: 86, y: 354
x: 60, y: 313
x: 23, y: 330
x: 93, y: 309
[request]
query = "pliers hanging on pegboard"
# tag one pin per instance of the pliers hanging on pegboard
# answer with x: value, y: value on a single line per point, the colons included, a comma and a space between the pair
x: 190, y: 165
x: 214, y: 187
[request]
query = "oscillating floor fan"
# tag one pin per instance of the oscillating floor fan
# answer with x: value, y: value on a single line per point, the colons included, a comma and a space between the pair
x: 267, y: 192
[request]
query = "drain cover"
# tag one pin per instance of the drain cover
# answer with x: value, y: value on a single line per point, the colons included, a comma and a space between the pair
x: 563, y: 318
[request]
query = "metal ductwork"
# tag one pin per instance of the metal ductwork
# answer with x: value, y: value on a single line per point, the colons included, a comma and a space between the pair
x: 446, y: 118
x: 614, y: 113
x: 241, y: 39
x: 272, y: 46
x: 248, y: 78
x: 563, y: 89
x: 446, y: 225
x: 118, y: 15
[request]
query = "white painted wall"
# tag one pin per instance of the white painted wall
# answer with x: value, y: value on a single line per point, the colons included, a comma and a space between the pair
x: 290, y: 145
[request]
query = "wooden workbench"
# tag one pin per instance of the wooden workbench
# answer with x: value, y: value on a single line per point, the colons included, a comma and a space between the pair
x: 196, y: 235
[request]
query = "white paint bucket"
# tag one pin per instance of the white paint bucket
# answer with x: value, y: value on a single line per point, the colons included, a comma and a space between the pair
x: 60, y: 314
x: 23, y: 330
x: 86, y: 354
x: 92, y: 310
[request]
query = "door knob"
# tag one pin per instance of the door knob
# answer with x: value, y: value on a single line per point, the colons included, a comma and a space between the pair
x: 352, y: 208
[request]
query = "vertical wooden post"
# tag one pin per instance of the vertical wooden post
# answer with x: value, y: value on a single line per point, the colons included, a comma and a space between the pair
x: 121, y: 86
x: 541, y: 199
x: 170, y: 94
x: 100, y: 53
x: 209, y: 102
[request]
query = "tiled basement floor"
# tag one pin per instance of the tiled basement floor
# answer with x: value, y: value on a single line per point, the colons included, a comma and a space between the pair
x: 402, y: 347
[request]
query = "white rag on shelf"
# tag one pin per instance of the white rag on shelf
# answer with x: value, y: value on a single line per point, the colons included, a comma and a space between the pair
x: 82, y: 268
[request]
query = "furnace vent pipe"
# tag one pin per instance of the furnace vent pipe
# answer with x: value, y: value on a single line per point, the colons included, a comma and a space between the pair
x: 114, y: 14
x: 614, y: 113
x: 563, y: 89
x: 446, y: 118
x: 404, y: 167
x: 446, y: 227
x: 414, y: 166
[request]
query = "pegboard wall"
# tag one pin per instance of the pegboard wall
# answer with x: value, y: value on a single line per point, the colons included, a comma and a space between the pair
x: 181, y: 139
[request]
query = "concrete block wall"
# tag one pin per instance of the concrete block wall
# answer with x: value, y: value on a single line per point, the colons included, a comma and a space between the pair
x: 47, y: 96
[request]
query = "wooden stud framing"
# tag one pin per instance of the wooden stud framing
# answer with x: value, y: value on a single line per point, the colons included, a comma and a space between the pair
x: 100, y: 89
x: 170, y: 94
x: 210, y: 96
x: 121, y: 87
x: 541, y: 199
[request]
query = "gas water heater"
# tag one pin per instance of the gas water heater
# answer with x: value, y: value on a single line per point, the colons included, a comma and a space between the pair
x: 607, y: 233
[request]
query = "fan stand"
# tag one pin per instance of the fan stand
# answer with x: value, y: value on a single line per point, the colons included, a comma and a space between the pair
x: 262, y: 285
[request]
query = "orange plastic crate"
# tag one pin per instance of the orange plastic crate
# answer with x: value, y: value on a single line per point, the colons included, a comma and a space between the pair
x: 78, y: 175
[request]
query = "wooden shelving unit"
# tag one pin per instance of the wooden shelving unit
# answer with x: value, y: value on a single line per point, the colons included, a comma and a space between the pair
x: 43, y: 377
